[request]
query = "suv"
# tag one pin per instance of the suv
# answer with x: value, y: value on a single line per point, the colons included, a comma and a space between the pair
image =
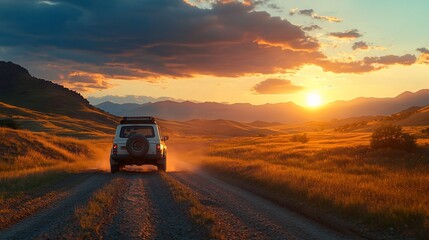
x: 138, y: 141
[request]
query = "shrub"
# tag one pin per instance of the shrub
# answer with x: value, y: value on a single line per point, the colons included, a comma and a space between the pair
x: 300, y: 138
x: 9, y: 123
x: 391, y: 136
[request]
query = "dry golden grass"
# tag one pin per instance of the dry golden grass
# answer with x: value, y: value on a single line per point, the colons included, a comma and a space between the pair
x: 100, y: 209
x: 337, y: 172
x: 31, y: 159
x: 197, y: 211
x: 57, y: 124
x: 10, y: 214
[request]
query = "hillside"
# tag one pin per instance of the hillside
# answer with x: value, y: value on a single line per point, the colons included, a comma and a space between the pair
x: 289, y: 113
x: 420, y: 117
x: 20, y: 89
x: 55, y: 124
x: 215, y: 128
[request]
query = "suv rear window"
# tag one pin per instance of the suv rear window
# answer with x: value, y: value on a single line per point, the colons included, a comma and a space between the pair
x: 128, y: 131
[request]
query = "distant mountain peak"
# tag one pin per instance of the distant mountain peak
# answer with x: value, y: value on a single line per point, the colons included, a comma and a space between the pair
x: 411, y: 94
x: 405, y: 94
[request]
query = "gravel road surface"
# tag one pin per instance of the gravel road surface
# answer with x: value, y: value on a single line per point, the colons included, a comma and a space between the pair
x: 148, y: 210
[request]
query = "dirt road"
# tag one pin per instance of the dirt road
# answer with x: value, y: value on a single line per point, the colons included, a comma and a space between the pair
x: 147, y: 209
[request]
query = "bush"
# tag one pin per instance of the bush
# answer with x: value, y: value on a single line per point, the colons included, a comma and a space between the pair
x: 9, y: 123
x: 300, y: 138
x: 391, y: 136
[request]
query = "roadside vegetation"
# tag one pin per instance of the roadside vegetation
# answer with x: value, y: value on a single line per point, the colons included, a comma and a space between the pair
x: 30, y: 160
x: 391, y: 136
x: 100, y: 210
x: 302, y: 138
x: 9, y: 123
x: 198, y: 212
x: 382, y: 187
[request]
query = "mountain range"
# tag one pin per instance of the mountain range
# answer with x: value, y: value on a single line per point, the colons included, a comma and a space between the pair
x: 42, y: 106
x: 280, y: 112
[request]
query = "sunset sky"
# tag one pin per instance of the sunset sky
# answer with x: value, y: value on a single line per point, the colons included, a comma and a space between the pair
x: 264, y: 51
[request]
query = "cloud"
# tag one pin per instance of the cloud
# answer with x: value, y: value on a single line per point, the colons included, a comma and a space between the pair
x: 276, y: 86
x: 351, y: 34
x: 82, y: 81
x: 360, y: 46
x: 423, y: 50
x: 85, y: 44
x: 406, y: 59
x: 368, y: 64
x: 152, y: 38
x: 311, y: 28
x: 267, y: 3
x: 312, y: 14
x: 424, y: 56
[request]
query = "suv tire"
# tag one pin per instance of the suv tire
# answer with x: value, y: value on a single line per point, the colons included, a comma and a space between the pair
x: 162, y: 167
x: 114, y: 168
x: 137, y: 145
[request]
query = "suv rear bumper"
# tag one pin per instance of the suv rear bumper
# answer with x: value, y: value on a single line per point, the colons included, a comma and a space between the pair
x: 125, y: 159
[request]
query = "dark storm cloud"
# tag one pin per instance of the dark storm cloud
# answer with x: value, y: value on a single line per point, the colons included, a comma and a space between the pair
x: 152, y: 38
x: 276, y: 86
x: 360, y: 46
x: 351, y: 34
x: 84, y: 43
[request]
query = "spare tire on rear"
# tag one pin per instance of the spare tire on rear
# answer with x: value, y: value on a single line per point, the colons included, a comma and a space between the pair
x: 137, y: 145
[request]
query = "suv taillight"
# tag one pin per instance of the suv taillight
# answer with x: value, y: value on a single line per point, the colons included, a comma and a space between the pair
x: 158, y: 148
x: 115, y: 149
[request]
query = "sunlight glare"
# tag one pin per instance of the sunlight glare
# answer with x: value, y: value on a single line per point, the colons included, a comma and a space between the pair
x: 314, y: 99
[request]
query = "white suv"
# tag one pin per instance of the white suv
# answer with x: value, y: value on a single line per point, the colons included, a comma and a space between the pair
x: 138, y: 141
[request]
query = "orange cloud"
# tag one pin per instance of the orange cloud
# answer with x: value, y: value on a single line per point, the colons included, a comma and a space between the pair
x: 406, y: 59
x: 368, y: 64
x: 276, y: 86
x: 84, y: 81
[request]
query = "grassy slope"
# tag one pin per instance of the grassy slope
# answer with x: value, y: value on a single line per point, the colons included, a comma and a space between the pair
x: 54, y: 123
x: 19, y: 88
x: 31, y: 159
x: 336, y: 172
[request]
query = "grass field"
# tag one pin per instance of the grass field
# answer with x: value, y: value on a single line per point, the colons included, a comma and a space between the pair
x: 337, y: 172
x: 29, y: 159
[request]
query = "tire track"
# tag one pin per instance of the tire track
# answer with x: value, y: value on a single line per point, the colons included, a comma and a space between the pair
x: 243, y: 215
x: 170, y: 218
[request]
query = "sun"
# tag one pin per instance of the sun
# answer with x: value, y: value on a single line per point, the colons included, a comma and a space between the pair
x: 314, y: 99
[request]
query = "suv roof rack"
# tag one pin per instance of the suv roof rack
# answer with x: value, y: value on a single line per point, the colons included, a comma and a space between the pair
x: 138, y: 120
